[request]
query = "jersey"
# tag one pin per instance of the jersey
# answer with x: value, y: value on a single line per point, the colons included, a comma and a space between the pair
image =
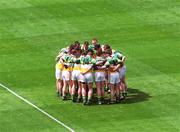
x: 68, y: 59
x: 91, y: 46
x: 86, y: 63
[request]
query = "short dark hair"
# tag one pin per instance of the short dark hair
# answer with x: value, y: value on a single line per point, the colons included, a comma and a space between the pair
x: 97, y: 46
x: 95, y: 39
x: 86, y: 43
x: 90, y: 50
x: 76, y: 42
x: 106, y: 46
x: 108, y: 51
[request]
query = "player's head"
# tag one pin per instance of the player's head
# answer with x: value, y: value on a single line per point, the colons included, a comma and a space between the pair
x: 90, y: 52
x: 84, y: 53
x: 97, y: 46
x: 78, y: 51
x: 99, y: 52
x: 71, y: 47
x: 76, y: 43
x: 106, y: 46
x: 94, y: 41
x: 108, y: 53
x: 85, y: 44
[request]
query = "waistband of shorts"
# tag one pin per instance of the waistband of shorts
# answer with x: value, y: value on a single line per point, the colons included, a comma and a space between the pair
x: 66, y: 69
x: 113, y: 72
x: 99, y: 71
x: 90, y: 71
x: 76, y: 68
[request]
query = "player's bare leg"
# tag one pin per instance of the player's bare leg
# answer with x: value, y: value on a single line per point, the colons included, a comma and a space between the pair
x: 90, y: 93
x: 59, y: 85
x: 98, y: 87
x: 100, y: 91
x: 64, y: 90
x: 73, y: 90
x: 79, y: 92
x: 84, y: 92
x: 117, y: 92
x: 124, y: 87
x: 112, y: 93
x: 121, y: 90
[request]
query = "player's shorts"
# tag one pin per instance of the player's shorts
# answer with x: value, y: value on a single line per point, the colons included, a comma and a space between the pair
x: 65, y: 75
x: 100, y: 76
x: 75, y: 75
x: 114, y: 78
x: 122, y: 72
x: 86, y: 78
x: 58, y: 74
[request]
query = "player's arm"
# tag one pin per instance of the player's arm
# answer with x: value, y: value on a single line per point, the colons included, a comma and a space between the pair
x: 61, y: 60
x: 123, y: 58
x: 87, y: 70
x: 100, y: 62
x: 115, y: 68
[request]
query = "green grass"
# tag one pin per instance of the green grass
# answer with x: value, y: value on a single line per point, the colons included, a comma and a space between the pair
x: 147, y: 31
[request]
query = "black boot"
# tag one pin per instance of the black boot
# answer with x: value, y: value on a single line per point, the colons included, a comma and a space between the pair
x: 124, y: 94
x: 63, y: 97
x: 102, y: 100
x: 117, y: 99
x: 84, y: 101
x: 88, y: 102
x: 78, y: 100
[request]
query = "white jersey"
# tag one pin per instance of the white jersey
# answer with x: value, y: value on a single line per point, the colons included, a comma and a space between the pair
x: 102, y: 47
x: 86, y: 67
x: 99, y: 74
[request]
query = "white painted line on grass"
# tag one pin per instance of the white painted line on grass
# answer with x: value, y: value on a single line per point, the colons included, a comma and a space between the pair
x: 39, y: 109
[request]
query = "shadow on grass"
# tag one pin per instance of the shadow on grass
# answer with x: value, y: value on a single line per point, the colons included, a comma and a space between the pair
x: 134, y: 96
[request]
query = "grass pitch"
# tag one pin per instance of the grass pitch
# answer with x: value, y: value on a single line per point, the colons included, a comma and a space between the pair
x: 147, y: 31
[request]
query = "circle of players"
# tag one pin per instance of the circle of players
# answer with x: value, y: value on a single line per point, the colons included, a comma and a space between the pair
x: 79, y: 66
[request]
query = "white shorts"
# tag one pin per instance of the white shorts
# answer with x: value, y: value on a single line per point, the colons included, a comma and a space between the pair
x: 114, y: 78
x: 65, y: 75
x: 75, y: 75
x: 86, y: 78
x: 100, y: 76
x: 122, y: 72
x: 58, y: 74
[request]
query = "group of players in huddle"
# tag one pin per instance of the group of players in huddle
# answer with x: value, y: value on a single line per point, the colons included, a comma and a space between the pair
x: 78, y: 66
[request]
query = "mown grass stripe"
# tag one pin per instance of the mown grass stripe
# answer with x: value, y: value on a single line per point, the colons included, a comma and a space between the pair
x: 36, y: 107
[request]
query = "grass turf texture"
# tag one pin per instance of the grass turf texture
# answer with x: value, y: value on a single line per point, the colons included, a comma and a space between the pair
x: 147, y: 31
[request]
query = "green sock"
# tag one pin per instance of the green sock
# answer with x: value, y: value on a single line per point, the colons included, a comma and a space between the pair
x: 89, y: 98
x: 84, y: 98
x: 102, y: 98
x: 99, y: 98
x: 72, y: 96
